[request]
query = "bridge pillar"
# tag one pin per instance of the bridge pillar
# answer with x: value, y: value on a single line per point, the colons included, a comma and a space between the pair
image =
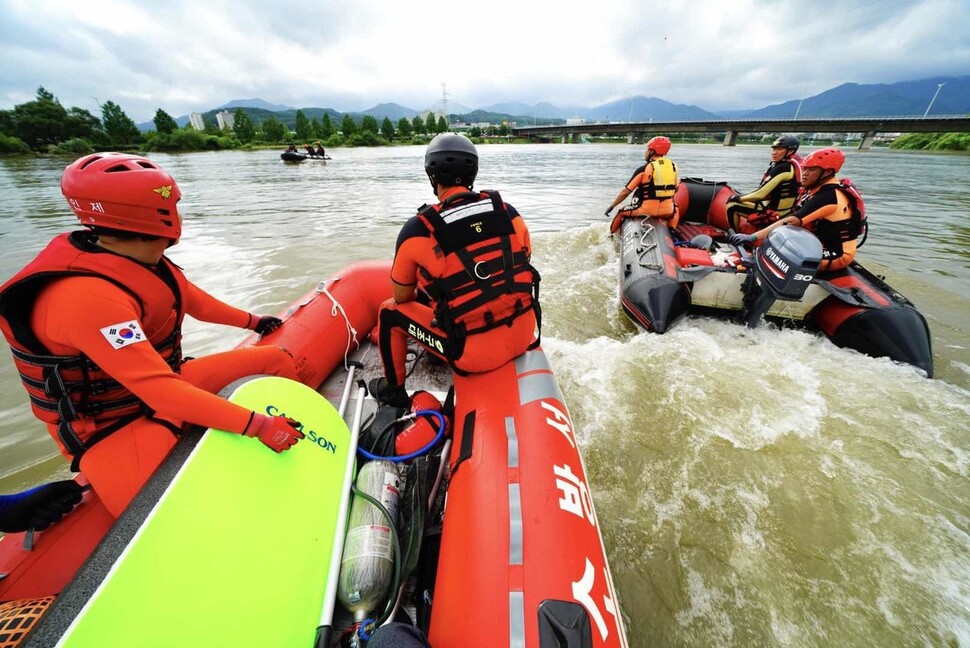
x: 634, y: 138
x: 730, y: 138
x: 574, y: 138
x: 867, y: 140
x: 564, y: 139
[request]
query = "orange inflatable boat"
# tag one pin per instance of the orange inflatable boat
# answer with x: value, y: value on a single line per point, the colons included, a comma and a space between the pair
x: 504, y: 546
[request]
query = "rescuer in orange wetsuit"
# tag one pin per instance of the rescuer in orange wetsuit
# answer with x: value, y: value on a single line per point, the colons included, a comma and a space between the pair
x: 826, y: 209
x: 469, y: 255
x: 653, y: 186
x: 94, y: 324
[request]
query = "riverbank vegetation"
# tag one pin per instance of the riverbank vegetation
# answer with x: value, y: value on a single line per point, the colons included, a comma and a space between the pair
x: 45, y: 126
x: 932, y: 142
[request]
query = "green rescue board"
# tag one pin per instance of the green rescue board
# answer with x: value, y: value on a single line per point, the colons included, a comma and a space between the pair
x: 237, y: 550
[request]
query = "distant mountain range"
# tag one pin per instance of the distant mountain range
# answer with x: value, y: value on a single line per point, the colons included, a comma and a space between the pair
x: 847, y: 100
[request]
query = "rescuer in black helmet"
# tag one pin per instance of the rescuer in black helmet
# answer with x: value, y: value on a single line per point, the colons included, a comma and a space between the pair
x: 775, y: 197
x: 469, y: 254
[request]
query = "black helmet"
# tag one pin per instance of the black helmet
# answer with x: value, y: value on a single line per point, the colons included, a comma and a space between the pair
x: 789, y: 142
x: 451, y: 161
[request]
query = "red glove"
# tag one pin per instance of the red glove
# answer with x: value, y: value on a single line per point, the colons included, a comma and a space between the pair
x: 278, y: 433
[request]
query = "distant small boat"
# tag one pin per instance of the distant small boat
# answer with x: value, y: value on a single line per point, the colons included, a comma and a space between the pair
x: 290, y: 156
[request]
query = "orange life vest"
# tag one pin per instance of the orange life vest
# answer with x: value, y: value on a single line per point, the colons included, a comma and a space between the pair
x: 485, y: 280
x: 70, y: 390
x: 833, y: 233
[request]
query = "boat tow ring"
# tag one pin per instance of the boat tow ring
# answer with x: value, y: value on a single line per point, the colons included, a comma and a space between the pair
x: 477, y: 274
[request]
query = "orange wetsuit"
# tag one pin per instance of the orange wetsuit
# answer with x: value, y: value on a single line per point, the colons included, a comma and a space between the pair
x: 72, y: 316
x: 497, y: 328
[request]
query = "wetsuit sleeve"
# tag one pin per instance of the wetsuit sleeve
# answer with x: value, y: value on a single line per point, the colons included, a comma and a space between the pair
x: 204, y: 307
x: 643, y: 176
x: 408, y: 253
x: 763, y: 192
x: 521, y: 229
x: 87, y: 305
x: 635, y: 176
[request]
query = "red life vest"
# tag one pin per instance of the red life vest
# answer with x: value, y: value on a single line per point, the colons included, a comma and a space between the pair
x: 486, y: 280
x: 71, y: 391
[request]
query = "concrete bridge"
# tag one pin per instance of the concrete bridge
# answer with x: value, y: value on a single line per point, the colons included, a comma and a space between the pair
x: 868, y: 126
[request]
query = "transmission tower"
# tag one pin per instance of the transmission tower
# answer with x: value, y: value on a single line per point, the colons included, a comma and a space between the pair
x: 444, y: 104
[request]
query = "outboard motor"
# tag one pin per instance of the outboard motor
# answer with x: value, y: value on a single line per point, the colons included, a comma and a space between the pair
x: 786, y: 264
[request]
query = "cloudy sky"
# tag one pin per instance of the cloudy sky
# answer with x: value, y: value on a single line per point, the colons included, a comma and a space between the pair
x: 349, y: 55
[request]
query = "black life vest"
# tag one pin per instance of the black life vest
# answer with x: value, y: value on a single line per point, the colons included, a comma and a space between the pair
x: 486, y: 280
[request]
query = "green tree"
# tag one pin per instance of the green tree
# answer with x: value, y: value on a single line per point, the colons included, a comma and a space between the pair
x: 7, y: 123
x: 274, y: 130
x: 302, y: 126
x: 387, y: 129
x: 430, y: 124
x: 164, y: 122
x: 40, y: 123
x: 81, y: 123
x: 315, y: 128
x: 475, y: 131
x: 347, y: 126
x: 442, y: 125
x: 326, y: 127
x: 369, y: 123
x: 404, y: 127
x: 242, y: 126
x: 119, y: 126
x: 418, y: 125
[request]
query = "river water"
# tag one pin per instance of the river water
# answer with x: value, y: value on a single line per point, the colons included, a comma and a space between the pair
x: 755, y: 488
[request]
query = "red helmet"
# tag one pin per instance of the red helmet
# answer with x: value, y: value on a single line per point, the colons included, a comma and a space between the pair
x: 123, y: 192
x: 830, y: 159
x: 659, y: 144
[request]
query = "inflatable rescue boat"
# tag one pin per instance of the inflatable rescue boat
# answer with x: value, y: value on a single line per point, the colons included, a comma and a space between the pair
x: 693, y: 269
x: 494, y: 540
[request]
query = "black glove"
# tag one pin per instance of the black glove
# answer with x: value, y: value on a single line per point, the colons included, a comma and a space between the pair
x: 742, y: 239
x: 733, y: 198
x: 267, y: 324
x: 609, y: 210
x: 40, y: 507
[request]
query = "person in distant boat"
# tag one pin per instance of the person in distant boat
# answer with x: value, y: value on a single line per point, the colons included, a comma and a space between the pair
x: 776, y: 195
x: 291, y: 149
x: 94, y: 323
x: 462, y: 282
x: 653, y: 186
x: 825, y: 208
x: 309, y: 149
x: 320, y: 152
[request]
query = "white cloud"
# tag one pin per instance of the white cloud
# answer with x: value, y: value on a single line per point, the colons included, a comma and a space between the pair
x: 182, y: 56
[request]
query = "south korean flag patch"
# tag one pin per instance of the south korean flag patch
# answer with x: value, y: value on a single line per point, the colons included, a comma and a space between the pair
x: 124, y: 334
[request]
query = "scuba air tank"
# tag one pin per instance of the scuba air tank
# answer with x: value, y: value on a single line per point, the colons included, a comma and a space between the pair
x: 367, y: 566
